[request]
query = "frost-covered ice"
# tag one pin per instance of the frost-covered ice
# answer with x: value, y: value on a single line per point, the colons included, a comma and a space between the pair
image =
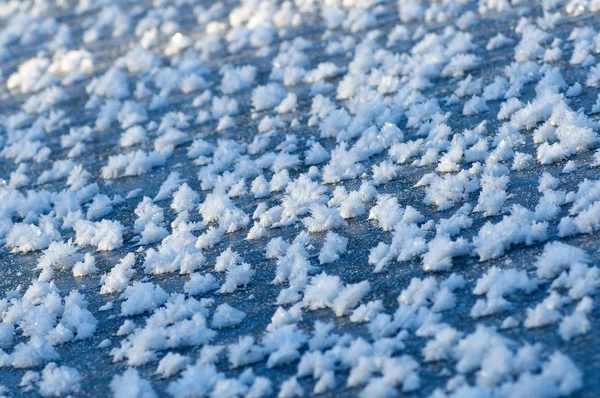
x: 289, y: 198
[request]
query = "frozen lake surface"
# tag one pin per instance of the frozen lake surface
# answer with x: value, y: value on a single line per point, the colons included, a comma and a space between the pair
x: 266, y: 198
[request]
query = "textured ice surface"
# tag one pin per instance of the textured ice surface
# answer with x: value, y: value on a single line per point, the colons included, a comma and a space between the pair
x: 286, y: 198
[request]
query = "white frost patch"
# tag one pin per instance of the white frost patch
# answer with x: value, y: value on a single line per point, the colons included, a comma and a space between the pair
x: 496, y: 284
x: 557, y: 257
x: 226, y: 316
x: 332, y: 248
x: 58, y: 381
x: 519, y: 227
x: 106, y: 235
x: 130, y: 384
x: 119, y: 276
x: 142, y: 297
x: 24, y: 238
